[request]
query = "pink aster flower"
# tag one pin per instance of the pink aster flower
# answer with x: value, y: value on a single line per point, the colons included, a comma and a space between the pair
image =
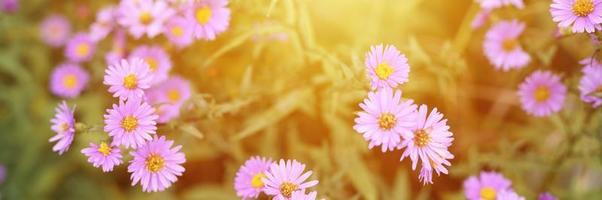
x: 582, y: 15
x: 542, y: 93
x: 169, y: 96
x: 131, y: 123
x: 178, y: 31
x: 156, y: 164
x: 9, y: 6
x: 209, y: 17
x: 590, y: 85
x: 68, y: 80
x: 105, y: 21
x: 249, y: 178
x: 63, y: 124
x: 80, y: 48
x: 546, y: 196
x: 386, y: 67
x: 128, y: 79
x: 300, y: 195
x: 492, y: 4
x: 428, y: 142
x: 144, y: 16
x: 117, y: 51
x: 55, y: 30
x: 105, y: 155
x: 509, y: 195
x: 480, y: 18
x: 502, y: 46
x: 385, y: 118
x: 486, y: 186
x: 284, y: 178
x: 156, y: 58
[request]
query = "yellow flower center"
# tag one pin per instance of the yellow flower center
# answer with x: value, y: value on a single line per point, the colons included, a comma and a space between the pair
x: 386, y: 121
x: 257, y: 181
x: 583, y: 8
x: 130, y: 81
x: 65, y: 127
x: 129, y: 123
x: 152, y: 63
x: 286, y: 189
x: 145, y: 18
x: 203, y: 15
x: 542, y: 93
x: 488, y: 193
x: 383, y: 71
x: 509, y: 45
x: 104, y: 148
x: 154, y: 163
x: 174, y: 95
x: 421, y: 138
x: 69, y: 81
x: 177, y: 31
x: 82, y: 49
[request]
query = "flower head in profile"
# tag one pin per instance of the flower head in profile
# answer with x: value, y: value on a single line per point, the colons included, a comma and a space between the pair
x: 249, y: 178
x: 178, y: 31
x: 103, y: 155
x: 117, y: 51
x: 581, y: 15
x: 80, y: 48
x: 385, y: 118
x: 300, y: 195
x: 209, y: 17
x: 63, y: 124
x: 428, y: 143
x: 157, y: 60
x: 156, y: 164
x: 509, y: 195
x: 386, y: 67
x: 128, y: 78
x: 104, y: 24
x: 502, y: 46
x: 492, y: 4
x: 131, y: 123
x: 590, y: 85
x: 55, y: 30
x: 542, y: 94
x: 286, y: 177
x: 169, y: 96
x: 486, y: 186
x: 68, y: 80
x: 144, y: 16
x: 546, y: 196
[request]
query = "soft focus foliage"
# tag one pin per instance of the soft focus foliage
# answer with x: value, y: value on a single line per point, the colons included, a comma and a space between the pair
x: 285, y: 80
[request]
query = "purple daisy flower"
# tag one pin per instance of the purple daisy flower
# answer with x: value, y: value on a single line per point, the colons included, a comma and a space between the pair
x: 300, y: 195
x: 428, y: 142
x: 546, y: 196
x: 209, y: 17
x: 284, y: 178
x: 486, y: 186
x: 509, y: 195
x: 156, y: 58
x: 80, y: 48
x: 386, y: 66
x: 128, y: 79
x: 169, y: 96
x: 503, y: 48
x: 582, y: 15
x: 63, y: 124
x: 542, y: 94
x: 144, y: 16
x: 385, y: 118
x: 249, y: 178
x: 156, y: 165
x: 591, y: 83
x: 117, y: 49
x: 178, y: 31
x: 55, y: 30
x: 105, y: 155
x: 9, y: 6
x: 105, y: 21
x: 492, y: 4
x: 68, y: 80
x: 131, y: 123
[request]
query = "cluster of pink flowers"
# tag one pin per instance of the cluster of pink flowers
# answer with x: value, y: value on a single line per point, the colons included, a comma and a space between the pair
x: 283, y: 180
x: 492, y: 186
x: 388, y: 121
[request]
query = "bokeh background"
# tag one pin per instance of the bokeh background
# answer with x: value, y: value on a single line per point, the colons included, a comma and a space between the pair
x: 285, y: 80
